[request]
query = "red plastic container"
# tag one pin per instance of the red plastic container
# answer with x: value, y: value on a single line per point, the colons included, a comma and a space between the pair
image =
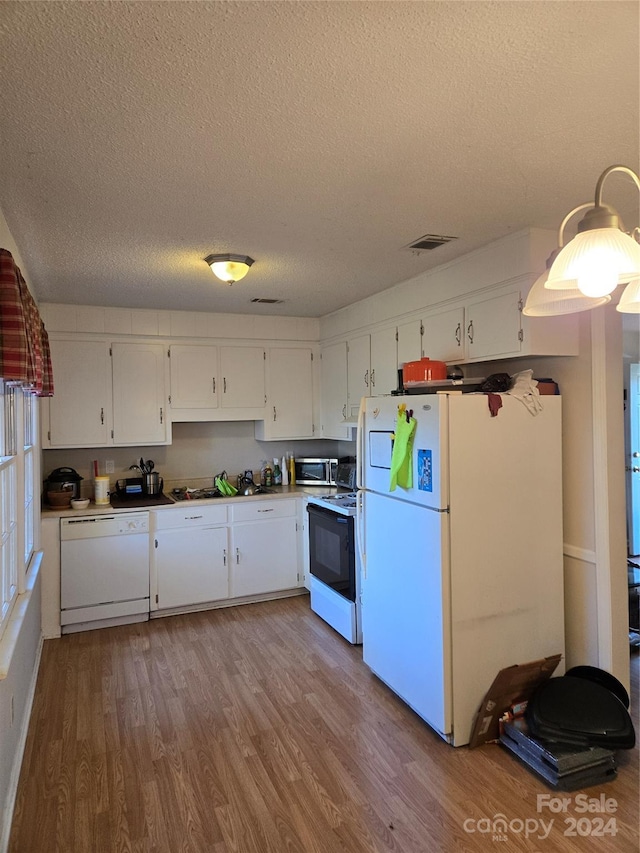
x: 424, y: 370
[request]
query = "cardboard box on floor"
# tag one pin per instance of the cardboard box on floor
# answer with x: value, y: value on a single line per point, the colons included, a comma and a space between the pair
x: 513, y: 684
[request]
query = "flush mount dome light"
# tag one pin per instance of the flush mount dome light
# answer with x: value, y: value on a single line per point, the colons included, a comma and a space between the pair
x: 229, y: 268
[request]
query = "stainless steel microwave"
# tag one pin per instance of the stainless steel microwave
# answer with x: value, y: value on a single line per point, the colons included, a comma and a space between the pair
x: 316, y: 472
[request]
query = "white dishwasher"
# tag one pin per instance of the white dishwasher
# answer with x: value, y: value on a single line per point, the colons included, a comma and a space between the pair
x: 104, y: 570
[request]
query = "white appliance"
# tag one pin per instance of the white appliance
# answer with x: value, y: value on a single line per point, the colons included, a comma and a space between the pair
x: 463, y: 572
x: 104, y: 570
x: 334, y: 563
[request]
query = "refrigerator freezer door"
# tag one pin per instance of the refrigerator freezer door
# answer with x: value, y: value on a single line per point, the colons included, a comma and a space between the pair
x: 405, y: 605
x: 429, y: 455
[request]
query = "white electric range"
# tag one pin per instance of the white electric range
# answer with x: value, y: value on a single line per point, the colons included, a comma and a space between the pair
x: 334, y: 563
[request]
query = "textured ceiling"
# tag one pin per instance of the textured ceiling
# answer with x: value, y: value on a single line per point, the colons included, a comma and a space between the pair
x: 318, y: 137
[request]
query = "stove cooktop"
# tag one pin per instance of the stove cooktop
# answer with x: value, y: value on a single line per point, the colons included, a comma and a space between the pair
x: 343, y: 502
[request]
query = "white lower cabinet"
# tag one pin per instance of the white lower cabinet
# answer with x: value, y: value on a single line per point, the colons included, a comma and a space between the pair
x: 264, y: 547
x: 189, y: 562
x: 216, y: 552
x: 191, y: 566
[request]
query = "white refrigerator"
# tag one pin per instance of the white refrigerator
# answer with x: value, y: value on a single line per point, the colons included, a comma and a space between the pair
x: 462, y: 572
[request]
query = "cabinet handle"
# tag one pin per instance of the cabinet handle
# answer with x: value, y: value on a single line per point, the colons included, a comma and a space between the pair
x: 213, y: 380
x: 266, y: 510
x: 161, y: 414
x: 237, y: 556
x: 470, y: 331
x: 344, y: 412
x: 224, y: 556
x: 458, y: 334
x: 192, y: 517
x: 366, y: 378
x: 373, y: 378
x: 101, y: 416
x: 224, y: 384
x: 274, y: 413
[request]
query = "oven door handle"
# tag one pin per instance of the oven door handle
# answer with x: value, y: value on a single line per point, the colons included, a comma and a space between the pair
x: 335, y: 516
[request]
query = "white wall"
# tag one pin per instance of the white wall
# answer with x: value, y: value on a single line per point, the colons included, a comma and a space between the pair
x: 198, y: 451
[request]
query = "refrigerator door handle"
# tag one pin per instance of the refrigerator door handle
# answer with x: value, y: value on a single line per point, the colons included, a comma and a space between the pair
x: 360, y: 531
x: 360, y: 445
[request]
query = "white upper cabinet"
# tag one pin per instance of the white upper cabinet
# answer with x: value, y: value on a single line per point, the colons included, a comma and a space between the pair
x: 194, y: 376
x: 334, y: 391
x: 358, y: 373
x: 493, y: 326
x: 139, y: 393
x: 443, y: 335
x: 289, y: 409
x: 242, y: 371
x: 79, y: 414
x: 383, y: 378
x: 409, y: 342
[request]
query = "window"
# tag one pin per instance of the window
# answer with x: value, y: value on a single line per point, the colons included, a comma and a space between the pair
x: 18, y: 507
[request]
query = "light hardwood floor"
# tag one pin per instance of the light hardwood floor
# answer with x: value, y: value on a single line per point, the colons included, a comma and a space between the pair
x: 257, y: 729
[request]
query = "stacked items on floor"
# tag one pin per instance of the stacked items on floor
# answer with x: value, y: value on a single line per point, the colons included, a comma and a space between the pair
x: 571, y: 727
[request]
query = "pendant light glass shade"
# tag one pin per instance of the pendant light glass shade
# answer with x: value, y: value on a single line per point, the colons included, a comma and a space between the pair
x: 542, y: 302
x: 595, y: 262
x: 229, y: 268
x: 630, y: 299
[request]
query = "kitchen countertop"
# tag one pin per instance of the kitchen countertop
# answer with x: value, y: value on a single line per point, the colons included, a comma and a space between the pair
x: 276, y: 493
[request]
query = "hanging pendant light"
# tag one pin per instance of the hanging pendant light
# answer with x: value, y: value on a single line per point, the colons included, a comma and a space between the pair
x: 229, y: 268
x: 542, y: 302
x: 601, y: 256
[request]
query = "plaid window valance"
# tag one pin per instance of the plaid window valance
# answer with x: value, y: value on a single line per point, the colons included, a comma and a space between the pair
x: 24, y: 344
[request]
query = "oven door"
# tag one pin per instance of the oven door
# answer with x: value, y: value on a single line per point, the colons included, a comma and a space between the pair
x: 332, y: 550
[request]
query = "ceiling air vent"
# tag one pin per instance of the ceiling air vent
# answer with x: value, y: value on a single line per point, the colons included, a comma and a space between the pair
x: 428, y: 242
x: 267, y: 301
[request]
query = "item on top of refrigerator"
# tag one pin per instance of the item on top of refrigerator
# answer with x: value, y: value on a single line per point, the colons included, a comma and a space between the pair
x: 496, y: 383
x: 423, y: 370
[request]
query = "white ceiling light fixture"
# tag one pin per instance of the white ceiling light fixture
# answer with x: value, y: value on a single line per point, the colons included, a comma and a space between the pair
x: 543, y: 302
x: 602, y: 255
x: 229, y: 268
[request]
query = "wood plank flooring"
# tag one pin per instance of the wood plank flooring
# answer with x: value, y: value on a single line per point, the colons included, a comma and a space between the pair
x: 257, y: 729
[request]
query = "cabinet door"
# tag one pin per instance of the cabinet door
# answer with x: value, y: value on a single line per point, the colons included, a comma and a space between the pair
x: 493, y: 326
x: 443, y: 335
x: 80, y: 411
x: 289, y: 393
x: 194, y: 371
x: 384, y: 362
x: 264, y: 557
x: 242, y: 374
x: 358, y: 367
x: 334, y: 390
x: 139, y: 393
x: 409, y: 342
x: 191, y: 566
